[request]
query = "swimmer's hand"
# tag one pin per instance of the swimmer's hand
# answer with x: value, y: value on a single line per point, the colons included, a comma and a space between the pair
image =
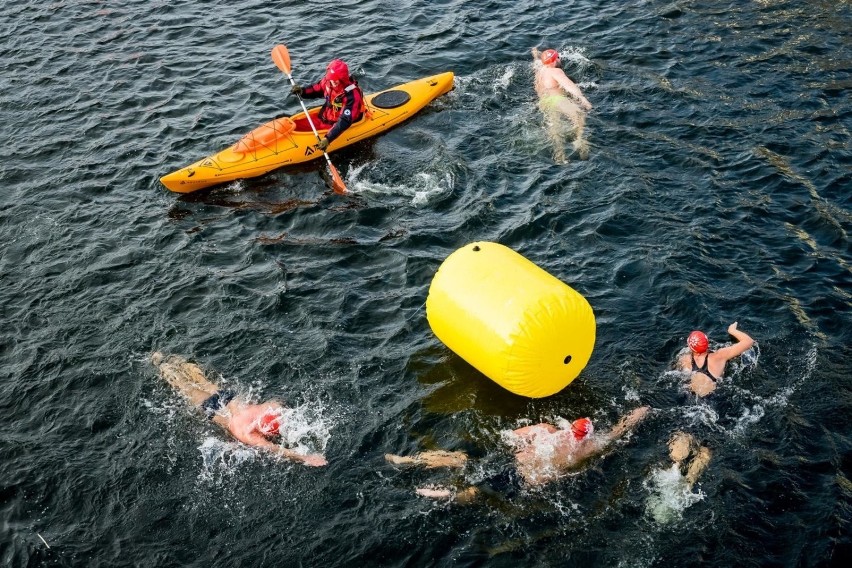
x: 732, y: 328
x: 314, y: 460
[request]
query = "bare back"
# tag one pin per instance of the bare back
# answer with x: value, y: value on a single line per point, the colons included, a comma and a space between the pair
x: 551, y: 81
x: 550, y: 455
x: 241, y: 420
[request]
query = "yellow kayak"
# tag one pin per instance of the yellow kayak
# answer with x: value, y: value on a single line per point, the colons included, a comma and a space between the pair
x: 289, y: 140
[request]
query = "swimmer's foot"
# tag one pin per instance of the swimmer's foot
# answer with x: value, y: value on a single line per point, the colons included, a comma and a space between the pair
x: 400, y: 460
x: 462, y: 497
x: 436, y: 493
x: 560, y: 158
x: 581, y: 146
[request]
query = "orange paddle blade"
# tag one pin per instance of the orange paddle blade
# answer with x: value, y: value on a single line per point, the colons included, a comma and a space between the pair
x: 281, y: 57
x: 336, y: 181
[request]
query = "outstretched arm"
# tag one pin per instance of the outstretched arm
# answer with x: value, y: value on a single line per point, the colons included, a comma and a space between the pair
x: 743, y: 344
x: 260, y: 441
x: 627, y: 423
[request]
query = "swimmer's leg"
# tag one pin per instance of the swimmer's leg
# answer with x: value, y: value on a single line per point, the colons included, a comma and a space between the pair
x: 185, y: 377
x: 698, y: 465
x: 578, y: 118
x: 462, y: 497
x: 430, y: 459
x: 554, y: 133
x: 681, y: 446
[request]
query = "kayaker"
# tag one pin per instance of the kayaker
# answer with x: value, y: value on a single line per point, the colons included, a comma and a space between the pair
x: 252, y: 424
x: 552, y: 84
x: 705, y: 369
x: 344, y: 101
x: 543, y: 453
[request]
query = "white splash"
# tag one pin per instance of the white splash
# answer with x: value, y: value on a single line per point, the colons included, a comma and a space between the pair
x: 503, y: 82
x: 630, y: 393
x: 670, y: 495
x: 422, y: 187
x: 223, y: 458
x: 306, y: 429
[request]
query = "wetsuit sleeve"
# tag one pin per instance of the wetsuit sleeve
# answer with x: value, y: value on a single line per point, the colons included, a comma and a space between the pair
x: 314, y: 91
x: 349, y: 113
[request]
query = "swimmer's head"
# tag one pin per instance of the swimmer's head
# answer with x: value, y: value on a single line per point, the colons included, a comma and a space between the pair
x: 697, y: 342
x: 549, y: 56
x: 269, y: 424
x: 581, y: 428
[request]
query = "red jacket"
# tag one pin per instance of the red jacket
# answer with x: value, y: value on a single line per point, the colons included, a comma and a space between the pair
x: 343, y: 105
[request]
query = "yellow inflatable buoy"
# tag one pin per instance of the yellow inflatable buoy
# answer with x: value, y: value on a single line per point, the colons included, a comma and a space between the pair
x: 520, y: 326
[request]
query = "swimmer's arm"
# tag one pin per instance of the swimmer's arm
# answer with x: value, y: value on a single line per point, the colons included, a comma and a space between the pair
x: 314, y: 460
x: 572, y: 89
x: 684, y: 363
x: 535, y: 53
x: 259, y: 441
x: 743, y: 344
x: 628, y: 422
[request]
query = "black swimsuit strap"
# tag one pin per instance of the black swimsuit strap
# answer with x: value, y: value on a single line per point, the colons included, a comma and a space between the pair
x: 703, y: 368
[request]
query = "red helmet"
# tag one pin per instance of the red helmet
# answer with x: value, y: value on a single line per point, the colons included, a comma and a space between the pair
x: 697, y: 341
x: 337, y: 70
x: 269, y: 424
x: 549, y: 56
x: 581, y: 428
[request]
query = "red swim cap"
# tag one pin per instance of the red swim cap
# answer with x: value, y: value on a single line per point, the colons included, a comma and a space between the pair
x: 337, y: 70
x: 581, y: 428
x: 697, y: 341
x: 269, y: 424
x: 549, y: 56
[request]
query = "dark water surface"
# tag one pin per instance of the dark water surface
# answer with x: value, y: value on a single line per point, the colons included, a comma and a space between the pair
x: 717, y: 190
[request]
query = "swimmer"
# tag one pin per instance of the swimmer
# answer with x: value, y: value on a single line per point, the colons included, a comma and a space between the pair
x: 251, y: 424
x: 544, y: 453
x: 552, y: 84
x: 682, y: 447
x: 707, y: 368
x: 548, y: 453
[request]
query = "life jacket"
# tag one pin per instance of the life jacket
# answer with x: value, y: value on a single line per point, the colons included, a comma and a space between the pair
x: 334, y: 100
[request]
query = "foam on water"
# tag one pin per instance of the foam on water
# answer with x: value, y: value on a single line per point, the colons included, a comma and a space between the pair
x: 670, y: 495
x: 422, y: 187
x: 223, y: 458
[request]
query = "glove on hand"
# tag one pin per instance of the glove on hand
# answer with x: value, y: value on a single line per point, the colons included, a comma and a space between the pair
x: 323, y: 144
x: 296, y: 90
